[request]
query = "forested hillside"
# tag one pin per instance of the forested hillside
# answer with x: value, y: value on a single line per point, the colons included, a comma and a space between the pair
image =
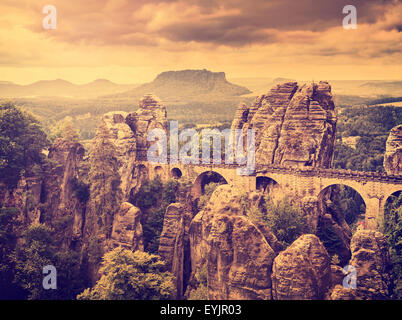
x: 361, y: 136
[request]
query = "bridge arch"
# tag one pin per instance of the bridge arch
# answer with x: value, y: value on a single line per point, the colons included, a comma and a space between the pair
x: 347, y: 199
x: 158, y: 170
x: 268, y: 185
x: 176, y: 173
x: 205, y: 178
x: 392, y: 198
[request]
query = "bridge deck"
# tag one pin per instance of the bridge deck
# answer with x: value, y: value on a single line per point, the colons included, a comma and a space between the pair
x: 313, y: 172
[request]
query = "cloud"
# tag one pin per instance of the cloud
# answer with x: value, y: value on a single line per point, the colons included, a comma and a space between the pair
x: 220, y: 22
x: 228, y: 35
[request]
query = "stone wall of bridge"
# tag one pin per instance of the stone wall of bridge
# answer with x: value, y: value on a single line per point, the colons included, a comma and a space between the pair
x: 374, y: 188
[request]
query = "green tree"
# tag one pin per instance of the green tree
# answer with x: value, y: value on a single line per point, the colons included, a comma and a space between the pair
x: 127, y: 275
x: 170, y: 190
x: 22, y: 141
x: 8, y: 239
x: 371, y: 126
x: 64, y: 129
x: 284, y: 218
x: 153, y: 198
x: 392, y: 229
x: 37, y: 251
x: 208, y: 191
x: 149, y: 194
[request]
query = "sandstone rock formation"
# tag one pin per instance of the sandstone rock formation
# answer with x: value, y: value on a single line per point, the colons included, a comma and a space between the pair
x: 127, y: 228
x: 302, y: 271
x: 26, y: 197
x: 150, y: 115
x: 371, y: 259
x: 49, y: 197
x: 128, y: 132
x: 239, y: 261
x: 116, y: 175
x: 58, y: 189
x: 294, y: 125
x: 341, y: 293
x: 125, y: 142
x: 393, y: 152
x: 237, y: 254
x: 337, y: 275
x: 174, y: 244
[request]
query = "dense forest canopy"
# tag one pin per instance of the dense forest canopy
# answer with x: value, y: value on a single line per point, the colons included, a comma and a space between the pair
x: 22, y: 141
x: 369, y: 127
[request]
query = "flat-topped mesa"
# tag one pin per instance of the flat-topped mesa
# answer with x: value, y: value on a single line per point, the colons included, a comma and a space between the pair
x: 151, y: 114
x: 294, y: 125
x: 191, y: 75
x: 393, y: 152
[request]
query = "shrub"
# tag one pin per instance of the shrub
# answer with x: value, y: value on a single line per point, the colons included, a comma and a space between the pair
x: 127, y: 275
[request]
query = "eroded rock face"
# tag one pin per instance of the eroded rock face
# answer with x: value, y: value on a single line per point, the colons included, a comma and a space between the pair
x: 172, y: 243
x: 127, y: 228
x: 50, y: 196
x: 341, y: 293
x: 239, y: 261
x: 332, y: 229
x: 128, y: 131
x: 294, y: 125
x: 236, y: 252
x: 150, y: 115
x: 26, y: 197
x: 125, y: 142
x: 371, y: 259
x: 393, y: 152
x: 302, y: 271
x: 68, y: 155
x: 59, y: 187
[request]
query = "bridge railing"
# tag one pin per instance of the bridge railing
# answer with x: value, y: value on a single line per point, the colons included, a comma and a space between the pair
x: 309, y: 171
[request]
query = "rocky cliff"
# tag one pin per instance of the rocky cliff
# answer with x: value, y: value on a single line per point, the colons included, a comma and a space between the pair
x: 302, y: 271
x: 59, y: 196
x: 240, y: 256
x: 174, y: 244
x: 393, y: 152
x: 127, y: 228
x: 237, y: 254
x: 151, y: 114
x: 294, y: 125
x: 125, y: 142
x: 370, y: 258
x: 115, y: 175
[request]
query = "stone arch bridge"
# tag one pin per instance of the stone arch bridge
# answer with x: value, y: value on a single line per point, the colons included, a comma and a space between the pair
x: 374, y: 188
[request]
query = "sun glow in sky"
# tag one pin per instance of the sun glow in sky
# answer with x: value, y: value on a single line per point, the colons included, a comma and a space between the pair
x: 131, y: 41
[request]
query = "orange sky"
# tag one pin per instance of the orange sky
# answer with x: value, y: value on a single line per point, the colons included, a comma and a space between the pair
x: 131, y: 41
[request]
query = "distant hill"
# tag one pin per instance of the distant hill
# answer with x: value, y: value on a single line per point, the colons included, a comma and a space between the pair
x: 392, y: 88
x: 187, y: 85
x: 283, y: 80
x: 61, y: 88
